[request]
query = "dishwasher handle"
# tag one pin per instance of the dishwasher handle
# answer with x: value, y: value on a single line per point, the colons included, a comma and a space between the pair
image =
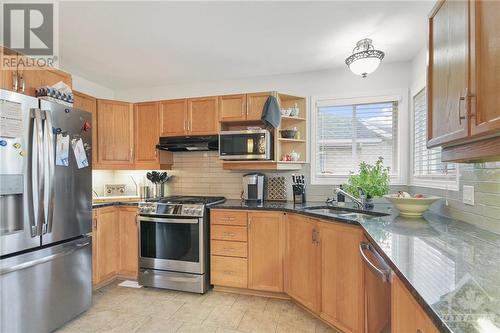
x: 383, y: 273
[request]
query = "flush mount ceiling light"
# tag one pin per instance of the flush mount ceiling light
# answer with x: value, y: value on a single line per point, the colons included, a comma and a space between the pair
x: 364, y: 58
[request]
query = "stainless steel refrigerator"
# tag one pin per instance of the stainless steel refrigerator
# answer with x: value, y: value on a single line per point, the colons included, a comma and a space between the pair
x: 45, y: 213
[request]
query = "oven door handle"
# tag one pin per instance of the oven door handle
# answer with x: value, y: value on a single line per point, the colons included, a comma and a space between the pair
x: 163, y: 220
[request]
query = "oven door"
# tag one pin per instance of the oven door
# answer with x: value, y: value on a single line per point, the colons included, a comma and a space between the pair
x: 173, y: 244
x: 245, y: 145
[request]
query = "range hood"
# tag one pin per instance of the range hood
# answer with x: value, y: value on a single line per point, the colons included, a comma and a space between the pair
x: 189, y: 143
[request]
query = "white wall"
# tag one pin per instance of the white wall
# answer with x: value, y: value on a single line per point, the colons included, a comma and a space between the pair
x: 91, y: 88
x: 338, y: 81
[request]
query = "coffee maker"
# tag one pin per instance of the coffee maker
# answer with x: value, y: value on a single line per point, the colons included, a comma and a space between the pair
x: 253, y: 187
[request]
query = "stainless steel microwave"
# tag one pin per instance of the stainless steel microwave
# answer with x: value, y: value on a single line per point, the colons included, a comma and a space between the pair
x: 245, y: 145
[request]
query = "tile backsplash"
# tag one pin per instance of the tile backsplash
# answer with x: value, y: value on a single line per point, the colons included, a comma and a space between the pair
x: 201, y: 173
x: 485, y: 213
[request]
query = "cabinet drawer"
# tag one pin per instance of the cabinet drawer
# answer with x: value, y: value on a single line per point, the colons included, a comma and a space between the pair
x: 231, y: 249
x: 226, y: 232
x: 229, y: 272
x: 228, y: 217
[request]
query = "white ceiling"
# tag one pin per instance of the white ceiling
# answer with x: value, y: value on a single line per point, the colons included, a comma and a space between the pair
x: 125, y: 45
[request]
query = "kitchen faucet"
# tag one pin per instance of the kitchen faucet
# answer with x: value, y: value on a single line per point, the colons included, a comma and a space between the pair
x: 360, y: 203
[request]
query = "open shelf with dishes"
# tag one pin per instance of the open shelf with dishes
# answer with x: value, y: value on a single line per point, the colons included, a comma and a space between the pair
x: 289, y: 140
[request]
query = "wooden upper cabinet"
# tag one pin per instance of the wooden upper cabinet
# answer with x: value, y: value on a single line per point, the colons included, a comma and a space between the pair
x: 255, y: 104
x: 107, y: 243
x: 173, y: 117
x: 88, y: 103
x: 8, y: 74
x: 485, y: 112
x: 406, y: 314
x: 301, y: 258
x: 203, y: 116
x: 342, y: 297
x: 84, y: 102
x: 129, y: 242
x: 115, y: 129
x: 448, y: 72
x: 30, y: 79
x: 266, y: 245
x: 232, y: 107
x: 147, y: 128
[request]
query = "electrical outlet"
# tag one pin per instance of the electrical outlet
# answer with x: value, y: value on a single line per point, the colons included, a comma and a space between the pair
x: 468, y: 195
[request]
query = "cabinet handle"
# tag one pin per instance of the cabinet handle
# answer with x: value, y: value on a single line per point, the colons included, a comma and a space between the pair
x: 227, y: 219
x: 95, y: 223
x: 230, y: 234
x: 314, y: 236
x: 15, y: 84
x: 184, y: 125
x: 317, y: 237
x: 228, y: 273
x: 460, y: 99
x: 23, y: 85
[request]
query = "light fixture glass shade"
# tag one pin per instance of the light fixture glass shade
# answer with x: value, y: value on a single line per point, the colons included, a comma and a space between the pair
x: 364, y: 59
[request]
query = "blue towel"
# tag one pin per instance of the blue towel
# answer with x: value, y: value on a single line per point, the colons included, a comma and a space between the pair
x: 271, y: 115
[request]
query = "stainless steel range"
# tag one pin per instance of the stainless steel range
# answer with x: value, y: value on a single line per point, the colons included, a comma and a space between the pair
x: 174, y: 242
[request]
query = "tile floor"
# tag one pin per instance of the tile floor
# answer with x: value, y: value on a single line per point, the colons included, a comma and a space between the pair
x: 121, y: 309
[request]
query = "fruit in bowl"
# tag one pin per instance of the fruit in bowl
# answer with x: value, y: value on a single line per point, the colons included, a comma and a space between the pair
x: 411, y: 206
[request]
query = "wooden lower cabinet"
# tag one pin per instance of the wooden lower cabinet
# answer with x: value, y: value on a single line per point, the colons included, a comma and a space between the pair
x: 301, y: 261
x: 107, y: 244
x: 342, y: 296
x: 266, y: 245
x: 229, y: 272
x: 115, y: 244
x: 129, y: 242
x: 406, y: 315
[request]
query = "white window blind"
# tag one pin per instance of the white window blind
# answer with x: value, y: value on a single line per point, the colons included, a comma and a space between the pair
x: 349, y: 134
x: 427, y: 162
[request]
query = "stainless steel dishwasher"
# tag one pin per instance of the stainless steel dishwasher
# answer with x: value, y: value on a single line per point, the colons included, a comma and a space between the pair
x: 377, y: 290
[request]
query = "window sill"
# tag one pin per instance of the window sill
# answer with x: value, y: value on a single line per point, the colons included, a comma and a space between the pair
x: 450, y: 185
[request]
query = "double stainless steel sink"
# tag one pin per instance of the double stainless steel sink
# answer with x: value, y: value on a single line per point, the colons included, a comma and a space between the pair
x: 341, y: 212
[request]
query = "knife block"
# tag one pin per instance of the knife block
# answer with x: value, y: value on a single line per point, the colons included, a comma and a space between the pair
x: 299, y: 194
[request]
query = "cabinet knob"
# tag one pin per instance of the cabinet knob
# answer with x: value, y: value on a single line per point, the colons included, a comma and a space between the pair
x: 15, y: 81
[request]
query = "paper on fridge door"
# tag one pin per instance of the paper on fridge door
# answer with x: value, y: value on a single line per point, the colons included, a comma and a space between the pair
x: 11, y: 119
x: 62, y: 150
x: 80, y: 156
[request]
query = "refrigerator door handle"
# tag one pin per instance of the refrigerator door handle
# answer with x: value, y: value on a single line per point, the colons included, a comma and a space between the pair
x: 38, y: 170
x: 30, y: 173
x: 31, y: 263
x: 50, y: 155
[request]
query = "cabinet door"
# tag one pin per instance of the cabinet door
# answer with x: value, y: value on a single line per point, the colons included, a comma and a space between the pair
x: 485, y: 114
x: 203, y: 115
x: 173, y: 117
x: 448, y: 72
x: 8, y: 74
x: 115, y: 133
x: 266, y: 247
x: 342, y: 301
x: 129, y: 242
x: 147, y: 128
x: 107, y: 243
x: 406, y: 314
x: 255, y: 104
x: 89, y: 104
x: 232, y: 107
x: 301, y: 269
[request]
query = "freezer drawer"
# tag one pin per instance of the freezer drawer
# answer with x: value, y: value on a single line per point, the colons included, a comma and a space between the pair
x: 42, y: 290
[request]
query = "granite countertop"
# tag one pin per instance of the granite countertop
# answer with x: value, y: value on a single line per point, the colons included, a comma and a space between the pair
x: 452, y: 268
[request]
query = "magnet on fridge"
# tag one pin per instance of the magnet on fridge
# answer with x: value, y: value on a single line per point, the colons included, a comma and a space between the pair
x: 67, y: 110
x: 22, y: 153
x: 56, y: 130
x: 3, y: 143
x: 17, y: 145
x: 86, y: 126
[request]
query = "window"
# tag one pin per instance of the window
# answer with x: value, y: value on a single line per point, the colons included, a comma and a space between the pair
x: 346, y: 133
x: 428, y: 170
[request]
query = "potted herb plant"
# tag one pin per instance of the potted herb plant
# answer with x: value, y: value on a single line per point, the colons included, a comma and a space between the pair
x: 372, y: 178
